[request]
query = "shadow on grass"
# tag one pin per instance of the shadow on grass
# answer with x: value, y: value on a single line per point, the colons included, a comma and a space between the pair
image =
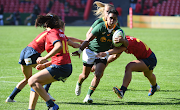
x: 139, y: 90
x: 112, y: 102
x: 158, y: 91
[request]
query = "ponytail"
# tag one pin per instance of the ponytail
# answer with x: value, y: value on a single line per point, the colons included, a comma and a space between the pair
x: 99, y: 12
x: 49, y: 20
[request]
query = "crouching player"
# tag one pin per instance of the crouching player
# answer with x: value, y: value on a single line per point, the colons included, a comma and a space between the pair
x: 146, y: 62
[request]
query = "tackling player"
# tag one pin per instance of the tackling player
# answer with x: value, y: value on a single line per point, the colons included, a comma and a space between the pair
x: 146, y: 62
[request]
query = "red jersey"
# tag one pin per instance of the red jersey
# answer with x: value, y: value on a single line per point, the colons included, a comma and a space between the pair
x: 139, y: 49
x: 39, y: 42
x: 119, y: 9
x: 62, y: 57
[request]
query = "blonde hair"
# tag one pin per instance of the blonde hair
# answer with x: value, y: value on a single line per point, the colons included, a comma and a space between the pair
x: 99, y: 12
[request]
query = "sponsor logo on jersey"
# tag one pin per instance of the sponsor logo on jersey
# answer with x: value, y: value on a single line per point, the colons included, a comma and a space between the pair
x: 103, y: 39
x: 109, y: 40
x: 61, y: 35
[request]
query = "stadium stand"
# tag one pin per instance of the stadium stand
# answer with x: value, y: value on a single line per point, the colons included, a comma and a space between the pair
x: 76, y: 7
x: 163, y: 7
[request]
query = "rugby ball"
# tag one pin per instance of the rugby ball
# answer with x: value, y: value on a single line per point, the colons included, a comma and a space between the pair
x: 117, y: 34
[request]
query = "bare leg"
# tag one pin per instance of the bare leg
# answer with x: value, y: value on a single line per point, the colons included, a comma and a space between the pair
x: 37, y: 81
x: 27, y: 71
x: 98, y: 74
x: 151, y: 77
x: 136, y: 65
x: 84, y: 74
x: 33, y: 100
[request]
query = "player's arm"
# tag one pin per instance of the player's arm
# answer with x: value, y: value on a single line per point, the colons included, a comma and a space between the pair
x: 121, y: 40
x: 57, y: 47
x: 89, y: 31
x: 75, y: 39
x: 73, y: 44
x: 83, y: 45
x: 112, y: 51
x: 113, y: 57
x: 86, y: 42
x: 44, y: 65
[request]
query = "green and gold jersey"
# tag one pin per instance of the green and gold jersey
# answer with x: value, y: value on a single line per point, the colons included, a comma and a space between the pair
x: 103, y: 39
x: 100, y: 20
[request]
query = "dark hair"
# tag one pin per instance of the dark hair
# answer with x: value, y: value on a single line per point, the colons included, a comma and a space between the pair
x: 61, y: 23
x: 49, y: 20
x: 114, y: 11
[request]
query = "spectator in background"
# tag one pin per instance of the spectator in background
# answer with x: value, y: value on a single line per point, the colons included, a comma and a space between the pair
x: 110, y: 2
x: 1, y: 15
x: 133, y: 4
x: 66, y: 7
x: 146, y: 10
x: 119, y: 9
x: 83, y: 2
x: 138, y: 8
x: 17, y: 18
x: 152, y: 11
x: 36, y: 11
x: 62, y: 1
x: 49, y: 6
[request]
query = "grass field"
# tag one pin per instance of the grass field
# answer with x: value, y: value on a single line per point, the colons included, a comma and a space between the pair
x: 164, y: 43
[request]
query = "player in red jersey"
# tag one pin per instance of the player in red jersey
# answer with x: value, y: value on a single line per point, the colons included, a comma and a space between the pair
x: 27, y: 60
x: 59, y: 68
x: 146, y: 62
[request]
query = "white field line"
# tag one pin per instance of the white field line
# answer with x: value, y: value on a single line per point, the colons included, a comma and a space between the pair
x: 10, y: 76
x: 8, y: 82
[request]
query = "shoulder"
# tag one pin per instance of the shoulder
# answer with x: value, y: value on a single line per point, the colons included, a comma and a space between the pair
x: 100, y: 26
x: 53, y: 31
x: 100, y: 20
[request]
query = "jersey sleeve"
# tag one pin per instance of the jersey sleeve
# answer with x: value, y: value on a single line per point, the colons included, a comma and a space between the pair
x: 97, y: 29
x: 96, y: 22
x: 53, y: 37
x: 66, y: 38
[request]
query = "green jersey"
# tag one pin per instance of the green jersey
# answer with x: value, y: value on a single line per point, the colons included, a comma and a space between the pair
x: 100, y: 20
x: 103, y: 39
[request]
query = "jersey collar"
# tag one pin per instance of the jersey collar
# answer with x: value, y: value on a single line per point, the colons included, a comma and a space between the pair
x: 103, y: 19
x: 107, y: 25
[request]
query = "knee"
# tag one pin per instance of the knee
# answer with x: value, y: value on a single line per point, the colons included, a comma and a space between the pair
x: 98, y: 75
x: 31, y: 82
x: 128, y: 67
x: 25, y: 80
x: 84, y: 76
x: 145, y: 75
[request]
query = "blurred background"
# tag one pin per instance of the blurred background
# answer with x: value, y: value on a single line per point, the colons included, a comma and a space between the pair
x: 79, y: 12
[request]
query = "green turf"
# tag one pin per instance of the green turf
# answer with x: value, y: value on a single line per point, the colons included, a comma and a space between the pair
x: 164, y: 43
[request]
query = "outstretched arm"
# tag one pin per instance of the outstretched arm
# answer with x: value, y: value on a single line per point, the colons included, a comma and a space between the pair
x: 84, y: 45
x: 75, y: 40
x: 44, y: 65
x: 112, y: 51
x: 73, y: 44
x: 56, y: 49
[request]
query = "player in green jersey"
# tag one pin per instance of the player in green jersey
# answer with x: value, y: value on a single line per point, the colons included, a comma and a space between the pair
x: 99, y: 40
x: 101, y: 13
